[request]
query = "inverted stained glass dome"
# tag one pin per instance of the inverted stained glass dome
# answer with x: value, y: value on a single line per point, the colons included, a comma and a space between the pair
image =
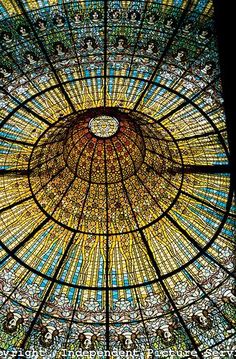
x: 117, y: 213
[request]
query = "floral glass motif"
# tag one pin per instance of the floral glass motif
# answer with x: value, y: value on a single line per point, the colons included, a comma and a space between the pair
x: 104, y: 126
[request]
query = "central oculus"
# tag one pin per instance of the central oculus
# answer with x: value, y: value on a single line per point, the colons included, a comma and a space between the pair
x: 103, y: 126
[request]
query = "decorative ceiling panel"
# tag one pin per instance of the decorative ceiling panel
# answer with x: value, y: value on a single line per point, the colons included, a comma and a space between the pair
x: 117, y: 215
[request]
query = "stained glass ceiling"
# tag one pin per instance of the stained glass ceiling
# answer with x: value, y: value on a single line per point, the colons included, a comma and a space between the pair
x: 117, y: 216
